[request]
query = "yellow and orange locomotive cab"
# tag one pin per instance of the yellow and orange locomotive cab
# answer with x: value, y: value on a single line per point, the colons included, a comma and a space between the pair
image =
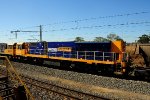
x: 119, y: 48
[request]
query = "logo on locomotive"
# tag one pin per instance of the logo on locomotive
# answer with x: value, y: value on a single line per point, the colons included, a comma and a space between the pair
x: 64, y: 49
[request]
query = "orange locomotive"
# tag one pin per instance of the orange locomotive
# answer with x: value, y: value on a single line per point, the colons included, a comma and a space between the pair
x: 102, y: 57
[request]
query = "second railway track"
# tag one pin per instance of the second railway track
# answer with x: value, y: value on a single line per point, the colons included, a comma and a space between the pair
x: 57, y: 92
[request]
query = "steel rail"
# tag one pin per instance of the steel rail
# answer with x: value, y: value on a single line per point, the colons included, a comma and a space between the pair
x: 77, y: 95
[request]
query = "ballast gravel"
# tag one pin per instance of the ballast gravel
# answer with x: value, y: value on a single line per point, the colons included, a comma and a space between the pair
x: 101, y: 81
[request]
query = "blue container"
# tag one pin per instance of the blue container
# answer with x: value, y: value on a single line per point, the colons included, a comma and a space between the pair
x: 93, y: 46
x: 36, y: 48
x: 60, y: 49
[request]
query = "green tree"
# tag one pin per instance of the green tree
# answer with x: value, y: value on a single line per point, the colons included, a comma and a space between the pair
x: 100, y: 39
x: 113, y: 37
x: 144, y: 39
x: 79, y: 39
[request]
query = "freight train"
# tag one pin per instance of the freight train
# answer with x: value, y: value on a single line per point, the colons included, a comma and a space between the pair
x: 104, y: 57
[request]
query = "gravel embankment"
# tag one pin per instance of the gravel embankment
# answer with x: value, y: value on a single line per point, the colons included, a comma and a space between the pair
x: 106, y: 82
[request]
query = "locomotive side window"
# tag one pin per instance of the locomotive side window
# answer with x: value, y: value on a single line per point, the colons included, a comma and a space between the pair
x: 117, y: 56
x: 19, y: 47
x: 23, y: 46
x: 10, y: 47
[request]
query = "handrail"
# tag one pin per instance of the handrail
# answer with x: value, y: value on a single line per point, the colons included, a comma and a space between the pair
x: 28, y: 94
x: 87, y: 55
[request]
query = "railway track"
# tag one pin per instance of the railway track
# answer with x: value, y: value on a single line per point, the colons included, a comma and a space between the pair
x: 129, y: 77
x: 57, y: 92
x: 44, y: 86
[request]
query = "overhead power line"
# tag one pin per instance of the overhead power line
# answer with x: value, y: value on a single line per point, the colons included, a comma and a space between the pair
x: 88, y: 19
x: 77, y: 27
x: 100, y: 26
x: 100, y: 17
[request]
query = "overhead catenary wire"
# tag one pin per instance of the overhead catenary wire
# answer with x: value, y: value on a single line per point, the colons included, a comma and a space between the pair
x: 96, y: 18
x: 88, y: 19
x: 100, y: 26
x: 77, y: 22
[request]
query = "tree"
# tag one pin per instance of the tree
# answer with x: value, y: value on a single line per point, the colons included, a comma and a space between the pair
x: 144, y: 39
x: 113, y: 37
x: 100, y: 39
x: 79, y: 39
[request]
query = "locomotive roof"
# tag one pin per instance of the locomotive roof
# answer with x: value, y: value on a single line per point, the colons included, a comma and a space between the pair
x: 71, y: 41
x: 93, y: 42
x: 2, y: 43
x: 50, y: 41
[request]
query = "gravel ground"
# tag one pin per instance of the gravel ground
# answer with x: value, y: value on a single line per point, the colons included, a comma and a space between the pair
x: 106, y: 82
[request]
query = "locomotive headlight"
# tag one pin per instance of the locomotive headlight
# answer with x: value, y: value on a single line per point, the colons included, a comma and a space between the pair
x: 124, y: 70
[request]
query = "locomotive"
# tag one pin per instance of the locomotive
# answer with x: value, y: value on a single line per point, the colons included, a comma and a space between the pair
x: 105, y: 57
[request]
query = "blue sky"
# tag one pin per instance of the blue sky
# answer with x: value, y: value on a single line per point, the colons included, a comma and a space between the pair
x: 26, y: 14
